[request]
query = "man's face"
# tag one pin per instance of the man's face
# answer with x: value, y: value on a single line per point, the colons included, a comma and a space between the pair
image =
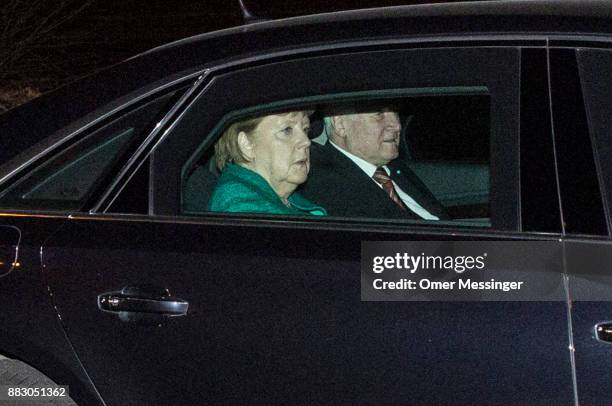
x: 373, y: 137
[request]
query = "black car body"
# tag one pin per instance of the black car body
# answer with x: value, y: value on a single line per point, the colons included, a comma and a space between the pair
x: 274, y: 312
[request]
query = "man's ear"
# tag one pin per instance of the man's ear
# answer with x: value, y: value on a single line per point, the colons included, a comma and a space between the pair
x: 338, y: 126
x: 246, y: 146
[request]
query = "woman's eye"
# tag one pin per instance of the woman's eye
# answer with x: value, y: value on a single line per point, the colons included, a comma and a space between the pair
x: 286, y: 131
x: 306, y: 130
x: 379, y: 115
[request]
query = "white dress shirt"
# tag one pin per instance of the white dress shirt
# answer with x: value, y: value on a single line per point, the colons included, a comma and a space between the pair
x: 369, y: 169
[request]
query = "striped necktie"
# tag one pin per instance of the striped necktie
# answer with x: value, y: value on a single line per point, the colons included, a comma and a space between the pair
x: 381, y: 177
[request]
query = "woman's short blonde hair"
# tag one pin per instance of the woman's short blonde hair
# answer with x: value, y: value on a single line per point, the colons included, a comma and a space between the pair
x: 227, y: 149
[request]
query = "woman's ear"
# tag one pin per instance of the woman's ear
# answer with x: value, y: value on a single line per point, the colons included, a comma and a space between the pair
x: 246, y: 146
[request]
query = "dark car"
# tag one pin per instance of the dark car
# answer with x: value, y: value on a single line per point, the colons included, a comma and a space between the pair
x: 118, y: 282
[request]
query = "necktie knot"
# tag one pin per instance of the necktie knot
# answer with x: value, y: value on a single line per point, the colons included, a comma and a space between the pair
x: 381, y: 177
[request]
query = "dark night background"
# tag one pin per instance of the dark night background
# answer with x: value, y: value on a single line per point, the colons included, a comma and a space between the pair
x: 47, y: 43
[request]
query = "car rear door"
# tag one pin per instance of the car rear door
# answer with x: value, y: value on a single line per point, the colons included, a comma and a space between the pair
x: 41, y: 186
x: 267, y: 310
x: 581, y: 102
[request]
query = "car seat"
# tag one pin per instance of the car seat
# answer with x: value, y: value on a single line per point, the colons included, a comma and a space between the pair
x: 199, y: 184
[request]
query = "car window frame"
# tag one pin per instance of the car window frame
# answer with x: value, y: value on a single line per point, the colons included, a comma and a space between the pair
x: 172, y: 208
x: 46, y: 149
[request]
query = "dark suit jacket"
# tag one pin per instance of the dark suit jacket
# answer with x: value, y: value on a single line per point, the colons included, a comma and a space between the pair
x: 344, y: 190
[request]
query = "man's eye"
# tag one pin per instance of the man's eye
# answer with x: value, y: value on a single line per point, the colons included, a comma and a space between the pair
x: 306, y: 130
x: 379, y: 115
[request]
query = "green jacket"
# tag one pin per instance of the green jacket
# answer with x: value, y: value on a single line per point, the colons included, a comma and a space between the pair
x: 241, y: 190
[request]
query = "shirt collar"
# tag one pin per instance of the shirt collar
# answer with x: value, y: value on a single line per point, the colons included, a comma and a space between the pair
x: 365, y: 166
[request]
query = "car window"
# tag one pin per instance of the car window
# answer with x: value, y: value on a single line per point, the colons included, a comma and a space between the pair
x: 597, y: 88
x: 434, y: 149
x: 73, y: 180
x: 454, y: 122
x: 67, y: 179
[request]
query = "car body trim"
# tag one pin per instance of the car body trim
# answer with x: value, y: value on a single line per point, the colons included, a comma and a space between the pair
x: 552, y: 130
x: 328, y: 223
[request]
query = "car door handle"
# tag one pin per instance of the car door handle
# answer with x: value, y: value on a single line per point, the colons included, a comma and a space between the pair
x: 142, y: 300
x: 603, y: 331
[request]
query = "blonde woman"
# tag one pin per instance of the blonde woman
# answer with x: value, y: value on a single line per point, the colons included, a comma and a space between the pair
x: 262, y: 161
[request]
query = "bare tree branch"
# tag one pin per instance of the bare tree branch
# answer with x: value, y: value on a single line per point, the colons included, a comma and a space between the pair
x: 29, y: 36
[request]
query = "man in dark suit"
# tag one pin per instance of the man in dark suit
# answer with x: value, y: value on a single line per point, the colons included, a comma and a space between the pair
x: 356, y: 174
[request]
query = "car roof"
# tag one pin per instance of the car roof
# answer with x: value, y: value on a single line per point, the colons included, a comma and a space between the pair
x: 36, y: 120
x: 500, y: 8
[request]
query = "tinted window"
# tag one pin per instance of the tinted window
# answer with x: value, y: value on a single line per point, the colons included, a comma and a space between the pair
x: 581, y: 199
x: 72, y: 181
x: 458, y: 122
x: 448, y: 147
x: 68, y: 179
x: 594, y: 67
x: 435, y: 150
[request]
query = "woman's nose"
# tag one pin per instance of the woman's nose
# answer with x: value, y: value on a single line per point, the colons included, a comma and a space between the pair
x: 304, y: 140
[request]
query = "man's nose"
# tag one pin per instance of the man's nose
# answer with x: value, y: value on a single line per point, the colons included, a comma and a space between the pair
x: 392, y: 121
